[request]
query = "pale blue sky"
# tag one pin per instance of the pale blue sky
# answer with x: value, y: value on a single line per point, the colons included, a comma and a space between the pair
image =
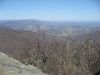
x: 53, y: 10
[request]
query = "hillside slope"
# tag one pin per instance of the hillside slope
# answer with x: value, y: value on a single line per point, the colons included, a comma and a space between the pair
x: 13, y: 41
x: 10, y: 66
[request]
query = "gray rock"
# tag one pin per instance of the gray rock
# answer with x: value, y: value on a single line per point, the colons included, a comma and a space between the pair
x: 10, y: 66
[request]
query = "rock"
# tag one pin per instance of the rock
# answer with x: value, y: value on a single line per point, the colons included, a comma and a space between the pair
x: 10, y: 66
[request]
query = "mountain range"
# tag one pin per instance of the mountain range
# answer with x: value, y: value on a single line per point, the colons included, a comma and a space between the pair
x: 50, y: 27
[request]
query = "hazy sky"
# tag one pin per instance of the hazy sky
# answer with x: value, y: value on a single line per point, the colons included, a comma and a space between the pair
x: 58, y: 10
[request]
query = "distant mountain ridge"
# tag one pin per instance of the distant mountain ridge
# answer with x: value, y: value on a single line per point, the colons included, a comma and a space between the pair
x: 52, y: 27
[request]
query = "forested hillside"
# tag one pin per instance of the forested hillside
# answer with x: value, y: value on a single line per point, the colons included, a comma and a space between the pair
x: 52, y: 54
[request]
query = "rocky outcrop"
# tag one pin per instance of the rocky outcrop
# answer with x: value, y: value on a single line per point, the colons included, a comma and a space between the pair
x: 10, y: 66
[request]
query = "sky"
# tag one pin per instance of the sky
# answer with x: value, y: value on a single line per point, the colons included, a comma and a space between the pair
x: 52, y: 10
